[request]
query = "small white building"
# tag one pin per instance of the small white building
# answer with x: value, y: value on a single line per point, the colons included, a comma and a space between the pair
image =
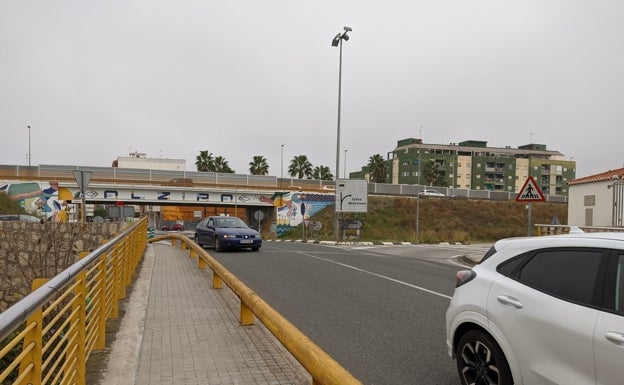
x: 597, y: 200
x: 141, y: 161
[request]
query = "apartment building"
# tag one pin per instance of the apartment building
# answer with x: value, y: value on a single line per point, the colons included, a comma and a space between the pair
x: 473, y: 165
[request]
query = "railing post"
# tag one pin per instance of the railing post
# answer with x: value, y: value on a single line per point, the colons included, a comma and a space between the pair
x: 246, y: 315
x: 35, y: 338
x: 79, y: 335
x: 217, y: 282
x: 101, y: 301
x: 114, y: 292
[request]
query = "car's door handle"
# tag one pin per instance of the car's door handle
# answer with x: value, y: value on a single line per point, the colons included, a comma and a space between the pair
x: 507, y: 300
x: 616, y: 338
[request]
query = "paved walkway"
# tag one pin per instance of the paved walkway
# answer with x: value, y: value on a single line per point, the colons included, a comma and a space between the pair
x: 179, y: 330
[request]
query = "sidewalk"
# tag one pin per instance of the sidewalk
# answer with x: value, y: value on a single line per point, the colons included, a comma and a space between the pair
x: 179, y: 330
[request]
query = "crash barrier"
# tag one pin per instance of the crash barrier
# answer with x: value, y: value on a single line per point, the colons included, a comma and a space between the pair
x: 565, y: 229
x: 49, y: 335
x: 322, y: 367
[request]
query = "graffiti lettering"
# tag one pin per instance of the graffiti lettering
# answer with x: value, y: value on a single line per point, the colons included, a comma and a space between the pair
x: 164, y: 196
x: 132, y: 196
x: 110, y: 194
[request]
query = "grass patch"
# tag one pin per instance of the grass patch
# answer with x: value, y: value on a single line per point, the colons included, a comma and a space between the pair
x: 394, y: 219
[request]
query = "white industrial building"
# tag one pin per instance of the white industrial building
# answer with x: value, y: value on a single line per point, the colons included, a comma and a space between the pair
x: 140, y: 160
x: 597, y: 200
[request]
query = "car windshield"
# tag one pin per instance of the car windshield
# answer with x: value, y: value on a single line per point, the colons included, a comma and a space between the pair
x: 230, y: 222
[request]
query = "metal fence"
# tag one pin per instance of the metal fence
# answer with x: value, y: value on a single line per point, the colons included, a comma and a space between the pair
x: 49, y: 335
x: 115, y: 175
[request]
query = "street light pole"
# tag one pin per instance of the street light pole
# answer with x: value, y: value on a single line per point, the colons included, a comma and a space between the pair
x: 337, y: 41
x: 282, y: 164
x: 28, y: 146
x: 344, y: 174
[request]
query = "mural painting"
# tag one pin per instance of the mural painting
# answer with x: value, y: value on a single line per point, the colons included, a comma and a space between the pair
x: 47, y: 201
x: 294, y: 207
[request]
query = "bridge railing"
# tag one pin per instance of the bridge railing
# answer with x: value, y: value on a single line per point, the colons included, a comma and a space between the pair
x: 49, y: 335
x: 543, y: 229
x: 115, y: 175
x: 322, y: 367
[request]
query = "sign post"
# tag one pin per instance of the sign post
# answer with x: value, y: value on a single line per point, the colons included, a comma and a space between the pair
x: 351, y: 197
x: 82, y: 179
x: 530, y: 192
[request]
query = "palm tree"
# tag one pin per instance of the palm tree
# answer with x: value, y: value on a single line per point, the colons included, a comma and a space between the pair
x: 323, y: 173
x: 204, y: 161
x: 222, y: 165
x: 259, y: 166
x: 300, y: 166
x: 377, y: 169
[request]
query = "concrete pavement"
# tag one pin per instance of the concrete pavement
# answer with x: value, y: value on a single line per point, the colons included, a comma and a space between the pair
x: 179, y: 330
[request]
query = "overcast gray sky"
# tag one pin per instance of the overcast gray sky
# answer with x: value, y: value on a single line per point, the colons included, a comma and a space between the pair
x: 97, y: 79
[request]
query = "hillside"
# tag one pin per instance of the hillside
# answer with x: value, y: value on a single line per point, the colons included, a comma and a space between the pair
x: 393, y: 219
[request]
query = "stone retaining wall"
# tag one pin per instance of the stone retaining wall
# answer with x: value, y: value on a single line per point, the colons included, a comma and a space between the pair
x: 43, y: 250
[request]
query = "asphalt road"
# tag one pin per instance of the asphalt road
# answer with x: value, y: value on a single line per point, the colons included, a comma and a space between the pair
x: 378, y: 310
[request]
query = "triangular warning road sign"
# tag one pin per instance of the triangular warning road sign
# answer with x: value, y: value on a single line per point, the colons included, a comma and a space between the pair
x: 530, y: 192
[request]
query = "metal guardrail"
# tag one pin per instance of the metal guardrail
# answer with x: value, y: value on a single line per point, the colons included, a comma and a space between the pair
x: 565, y: 229
x: 49, y: 335
x: 322, y: 367
x: 115, y: 175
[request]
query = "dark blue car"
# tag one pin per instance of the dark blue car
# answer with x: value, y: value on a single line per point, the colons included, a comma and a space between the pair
x: 222, y: 232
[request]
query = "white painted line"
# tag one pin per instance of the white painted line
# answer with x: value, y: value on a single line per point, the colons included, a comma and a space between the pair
x: 381, y: 276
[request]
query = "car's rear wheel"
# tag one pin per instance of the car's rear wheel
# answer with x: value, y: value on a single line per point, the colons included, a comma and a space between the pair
x: 480, y: 361
x: 197, y: 241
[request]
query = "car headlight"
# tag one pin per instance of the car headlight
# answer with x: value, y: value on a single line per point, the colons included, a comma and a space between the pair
x: 229, y: 236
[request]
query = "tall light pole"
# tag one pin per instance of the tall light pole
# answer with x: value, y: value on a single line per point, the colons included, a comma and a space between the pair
x: 344, y: 174
x: 28, y: 146
x: 282, y: 164
x: 337, y: 41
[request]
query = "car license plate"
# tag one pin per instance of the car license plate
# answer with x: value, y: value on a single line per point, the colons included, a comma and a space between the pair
x: 246, y: 241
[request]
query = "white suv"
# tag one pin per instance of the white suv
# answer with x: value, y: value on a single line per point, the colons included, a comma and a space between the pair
x: 541, y: 310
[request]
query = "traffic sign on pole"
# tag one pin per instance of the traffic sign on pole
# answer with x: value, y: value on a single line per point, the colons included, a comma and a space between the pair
x: 530, y: 192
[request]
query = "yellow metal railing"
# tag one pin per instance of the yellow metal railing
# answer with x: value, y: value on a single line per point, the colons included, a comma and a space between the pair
x: 322, y: 367
x: 50, y: 334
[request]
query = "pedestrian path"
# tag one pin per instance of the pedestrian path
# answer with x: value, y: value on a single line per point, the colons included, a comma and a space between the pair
x: 179, y: 330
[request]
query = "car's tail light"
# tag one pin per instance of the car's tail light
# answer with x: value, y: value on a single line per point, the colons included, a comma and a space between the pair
x: 464, y: 276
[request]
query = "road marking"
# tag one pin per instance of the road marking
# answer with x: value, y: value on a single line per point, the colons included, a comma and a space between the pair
x: 380, y: 276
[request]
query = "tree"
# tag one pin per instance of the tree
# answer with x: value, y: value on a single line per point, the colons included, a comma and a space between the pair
x: 259, y: 166
x: 8, y: 205
x: 204, y: 161
x: 300, y: 166
x: 430, y: 171
x: 377, y: 169
x: 222, y: 165
x: 323, y: 173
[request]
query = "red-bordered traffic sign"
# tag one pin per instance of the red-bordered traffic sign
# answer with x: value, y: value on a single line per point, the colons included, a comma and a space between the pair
x: 530, y: 192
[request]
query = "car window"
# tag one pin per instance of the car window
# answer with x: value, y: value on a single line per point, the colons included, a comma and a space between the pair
x: 568, y: 274
x: 210, y: 223
x: 619, y: 285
